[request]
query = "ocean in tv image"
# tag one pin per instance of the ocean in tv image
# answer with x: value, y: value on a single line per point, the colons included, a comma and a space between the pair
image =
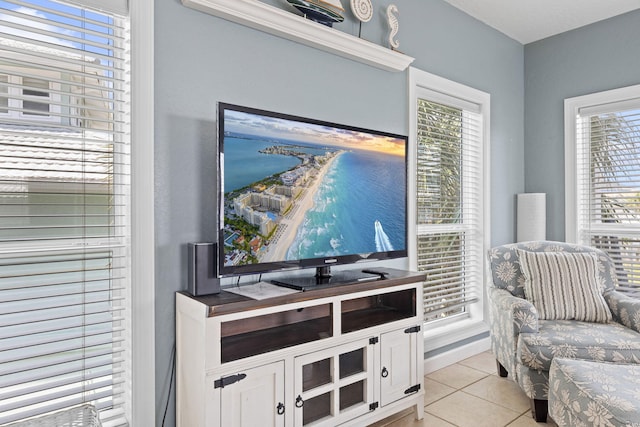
x: 360, y: 189
x: 295, y: 190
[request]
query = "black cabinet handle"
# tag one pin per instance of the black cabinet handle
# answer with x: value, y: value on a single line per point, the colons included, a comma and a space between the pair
x: 384, y: 372
x: 299, y: 402
x: 280, y: 408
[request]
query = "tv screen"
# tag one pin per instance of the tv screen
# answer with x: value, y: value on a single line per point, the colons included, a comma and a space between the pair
x: 297, y: 192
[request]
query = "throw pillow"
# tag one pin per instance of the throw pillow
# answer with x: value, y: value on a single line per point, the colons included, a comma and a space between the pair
x: 564, y: 285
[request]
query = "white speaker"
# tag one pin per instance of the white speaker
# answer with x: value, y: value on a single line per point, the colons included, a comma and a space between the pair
x: 203, y: 274
x: 531, y: 217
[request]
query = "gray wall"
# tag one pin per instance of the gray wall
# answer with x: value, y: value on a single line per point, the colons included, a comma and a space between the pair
x: 601, y: 56
x: 201, y: 60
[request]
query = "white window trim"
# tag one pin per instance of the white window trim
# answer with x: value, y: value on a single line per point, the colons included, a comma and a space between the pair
x: 142, y: 405
x: 572, y: 107
x: 450, y: 332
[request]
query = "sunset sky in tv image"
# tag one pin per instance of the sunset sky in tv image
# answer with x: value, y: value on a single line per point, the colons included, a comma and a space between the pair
x: 273, y: 127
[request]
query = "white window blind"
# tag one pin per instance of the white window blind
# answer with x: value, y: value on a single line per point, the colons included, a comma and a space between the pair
x: 608, y: 184
x: 64, y: 209
x: 449, y: 191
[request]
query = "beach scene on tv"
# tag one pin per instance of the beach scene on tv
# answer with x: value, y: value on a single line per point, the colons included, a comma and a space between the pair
x: 293, y: 190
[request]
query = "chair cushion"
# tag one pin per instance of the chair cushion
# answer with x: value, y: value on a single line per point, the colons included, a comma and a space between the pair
x: 565, y: 285
x: 591, y: 393
x: 602, y: 342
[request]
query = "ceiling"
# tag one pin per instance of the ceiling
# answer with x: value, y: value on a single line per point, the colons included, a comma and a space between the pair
x: 529, y: 20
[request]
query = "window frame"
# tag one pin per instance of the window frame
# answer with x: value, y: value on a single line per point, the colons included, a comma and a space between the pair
x: 440, y: 334
x: 581, y: 219
x: 140, y: 408
x: 572, y: 108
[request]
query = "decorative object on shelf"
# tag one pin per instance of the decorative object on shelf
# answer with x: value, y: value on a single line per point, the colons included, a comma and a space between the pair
x: 324, y: 12
x: 363, y: 11
x: 290, y: 26
x: 392, y: 19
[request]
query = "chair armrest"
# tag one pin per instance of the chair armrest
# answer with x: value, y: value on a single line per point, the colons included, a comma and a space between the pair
x: 509, y: 316
x: 515, y: 313
x: 625, y: 309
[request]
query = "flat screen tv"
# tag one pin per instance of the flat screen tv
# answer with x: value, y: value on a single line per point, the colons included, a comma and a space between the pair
x: 297, y: 192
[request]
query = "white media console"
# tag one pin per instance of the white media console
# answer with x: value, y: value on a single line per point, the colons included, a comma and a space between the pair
x: 343, y: 355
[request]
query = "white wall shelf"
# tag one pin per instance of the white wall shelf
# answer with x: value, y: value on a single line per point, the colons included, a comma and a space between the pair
x: 279, y: 22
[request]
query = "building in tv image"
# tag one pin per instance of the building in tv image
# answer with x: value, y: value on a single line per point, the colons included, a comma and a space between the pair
x: 296, y: 189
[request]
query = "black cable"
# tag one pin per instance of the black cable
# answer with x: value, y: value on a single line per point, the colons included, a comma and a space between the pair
x: 173, y: 368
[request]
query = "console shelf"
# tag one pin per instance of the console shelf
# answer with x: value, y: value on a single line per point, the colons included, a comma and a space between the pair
x: 366, y: 312
x: 368, y: 318
x: 293, y: 27
x: 262, y: 341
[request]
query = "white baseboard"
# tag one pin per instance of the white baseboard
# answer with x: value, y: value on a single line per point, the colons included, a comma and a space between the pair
x: 456, y: 355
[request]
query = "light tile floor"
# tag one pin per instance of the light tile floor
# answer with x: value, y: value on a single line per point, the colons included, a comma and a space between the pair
x: 469, y: 394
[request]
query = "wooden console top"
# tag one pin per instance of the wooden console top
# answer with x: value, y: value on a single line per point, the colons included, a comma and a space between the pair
x: 227, y: 302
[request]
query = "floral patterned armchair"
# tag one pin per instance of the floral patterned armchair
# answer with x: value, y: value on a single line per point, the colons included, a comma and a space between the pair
x: 524, y: 345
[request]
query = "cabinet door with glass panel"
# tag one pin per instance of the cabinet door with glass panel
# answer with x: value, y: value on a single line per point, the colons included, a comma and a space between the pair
x: 334, y: 385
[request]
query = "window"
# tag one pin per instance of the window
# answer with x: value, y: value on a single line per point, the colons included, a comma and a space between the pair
x: 32, y: 97
x: 36, y: 95
x: 4, y: 94
x: 449, y: 132
x: 65, y: 215
x: 602, y: 155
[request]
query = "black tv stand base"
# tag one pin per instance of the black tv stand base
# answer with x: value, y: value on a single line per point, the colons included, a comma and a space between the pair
x: 337, y: 278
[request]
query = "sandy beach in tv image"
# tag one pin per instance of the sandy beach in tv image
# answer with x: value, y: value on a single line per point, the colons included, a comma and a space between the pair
x: 296, y: 190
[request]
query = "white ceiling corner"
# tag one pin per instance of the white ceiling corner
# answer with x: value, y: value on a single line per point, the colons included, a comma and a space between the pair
x: 530, y: 20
